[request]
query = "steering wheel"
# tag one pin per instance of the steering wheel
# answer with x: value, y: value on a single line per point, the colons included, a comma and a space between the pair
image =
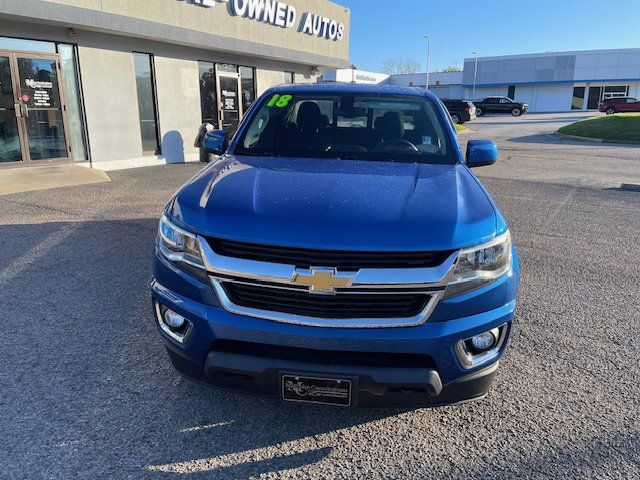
x: 404, y: 144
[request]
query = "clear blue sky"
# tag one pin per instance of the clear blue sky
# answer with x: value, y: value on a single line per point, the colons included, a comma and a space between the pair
x: 395, y: 28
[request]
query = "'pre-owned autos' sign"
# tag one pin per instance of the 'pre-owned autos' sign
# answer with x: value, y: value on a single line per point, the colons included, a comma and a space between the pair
x: 282, y: 15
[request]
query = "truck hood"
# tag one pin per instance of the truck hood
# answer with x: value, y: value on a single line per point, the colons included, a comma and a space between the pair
x: 336, y: 204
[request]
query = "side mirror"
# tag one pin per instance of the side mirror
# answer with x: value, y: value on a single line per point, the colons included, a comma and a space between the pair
x: 481, y: 152
x: 216, y: 142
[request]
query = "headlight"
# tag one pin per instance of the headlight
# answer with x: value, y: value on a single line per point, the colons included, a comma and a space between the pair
x: 480, y: 265
x: 181, y: 247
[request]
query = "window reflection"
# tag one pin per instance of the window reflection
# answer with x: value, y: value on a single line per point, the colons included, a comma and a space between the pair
x: 146, y: 102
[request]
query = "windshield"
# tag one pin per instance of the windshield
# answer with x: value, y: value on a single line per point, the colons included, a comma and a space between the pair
x: 368, y: 127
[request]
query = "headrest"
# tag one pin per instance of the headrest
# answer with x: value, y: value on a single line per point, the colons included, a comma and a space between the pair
x: 390, y: 126
x: 309, y: 117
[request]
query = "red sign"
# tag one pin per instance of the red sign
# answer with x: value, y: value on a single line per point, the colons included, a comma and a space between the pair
x: 26, y: 98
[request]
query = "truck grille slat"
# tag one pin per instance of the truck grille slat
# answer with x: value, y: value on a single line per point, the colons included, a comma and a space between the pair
x: 342, y: 260
x: 342, y: 305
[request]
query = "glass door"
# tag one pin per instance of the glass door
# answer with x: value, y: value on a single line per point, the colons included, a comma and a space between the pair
x: 10, y: 147
x: 595, y: 95
x: 41, y: 107
x: 32, y: 119
x: 229, y: 105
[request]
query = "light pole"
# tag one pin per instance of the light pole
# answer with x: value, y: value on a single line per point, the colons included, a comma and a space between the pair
x: 475, y: 74
x: 428, y: 39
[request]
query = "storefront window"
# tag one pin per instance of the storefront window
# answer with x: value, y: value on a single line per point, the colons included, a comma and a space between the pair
x: 21, y: 45
x: 615, y: 91
x: 248, y: 85
x: 578, y: 98
x: 145, y: 84
x: 70, y: 84
x: 208, y: 104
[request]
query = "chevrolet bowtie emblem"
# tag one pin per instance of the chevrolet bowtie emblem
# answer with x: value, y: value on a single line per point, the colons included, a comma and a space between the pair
x: 322, y: 280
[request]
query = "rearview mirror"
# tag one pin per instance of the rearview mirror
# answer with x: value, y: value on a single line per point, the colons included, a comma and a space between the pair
x: 481, y: 152
x: 216, y: 142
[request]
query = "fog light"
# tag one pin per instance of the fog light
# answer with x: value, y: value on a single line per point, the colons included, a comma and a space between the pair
x: 485, y: 341
x: 173, y: 324
x: 482, y: 348
x: 173, y: 319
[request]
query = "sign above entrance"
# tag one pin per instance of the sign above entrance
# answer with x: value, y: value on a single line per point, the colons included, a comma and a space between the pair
x: 280, y: 14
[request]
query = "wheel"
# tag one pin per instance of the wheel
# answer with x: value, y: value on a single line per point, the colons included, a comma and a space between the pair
x: 456, y: 118
x: 479, y: 112
x: 611, y: 111
x: 516, y: 112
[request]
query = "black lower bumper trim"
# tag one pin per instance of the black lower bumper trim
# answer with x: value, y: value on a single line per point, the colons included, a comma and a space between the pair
x: 376, y: 386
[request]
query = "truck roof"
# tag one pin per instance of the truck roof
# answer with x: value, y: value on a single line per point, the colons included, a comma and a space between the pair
x: 353, y: 88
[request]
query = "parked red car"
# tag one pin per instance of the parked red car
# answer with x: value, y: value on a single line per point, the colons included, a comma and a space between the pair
x: 619, y: 105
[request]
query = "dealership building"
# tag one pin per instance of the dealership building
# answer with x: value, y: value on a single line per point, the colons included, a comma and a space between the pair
x: 124, y: 83
x: 548, y: 82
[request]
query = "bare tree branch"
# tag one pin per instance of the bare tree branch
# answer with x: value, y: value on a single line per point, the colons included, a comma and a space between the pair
x: 396, y: 65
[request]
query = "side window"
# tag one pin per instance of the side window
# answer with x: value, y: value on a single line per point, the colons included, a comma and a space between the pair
x: 492, y: 100
x: 256, y: 129
x: 504, y: 100
x: 632, y: 100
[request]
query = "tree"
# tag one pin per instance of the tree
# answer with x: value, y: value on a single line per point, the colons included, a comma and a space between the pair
x: 451, y: 68
x: 396, y: 65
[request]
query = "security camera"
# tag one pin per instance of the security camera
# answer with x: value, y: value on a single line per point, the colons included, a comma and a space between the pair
x: 71, y: 33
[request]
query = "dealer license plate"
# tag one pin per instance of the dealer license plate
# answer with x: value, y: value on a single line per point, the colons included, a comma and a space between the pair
x: 329, y: 391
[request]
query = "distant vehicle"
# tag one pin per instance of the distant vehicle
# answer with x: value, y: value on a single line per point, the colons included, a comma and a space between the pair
x: 619, y: 105
x: 500, y: 105
x: 460, y: 110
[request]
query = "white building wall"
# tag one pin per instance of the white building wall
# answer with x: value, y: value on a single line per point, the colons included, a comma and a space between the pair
x: 178, y: 93
x: 448, y: 91
x: 551, y: 98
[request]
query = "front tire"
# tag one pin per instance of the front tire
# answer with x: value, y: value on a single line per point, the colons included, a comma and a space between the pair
x: 516, y: 112
x: 611, y: 111
x: 479, y: 112
x: 456, y: 118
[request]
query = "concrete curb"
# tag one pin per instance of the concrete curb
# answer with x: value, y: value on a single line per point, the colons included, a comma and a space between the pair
x: 596, y: 140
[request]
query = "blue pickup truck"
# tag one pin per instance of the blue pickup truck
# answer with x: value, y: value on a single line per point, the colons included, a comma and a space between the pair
x: 338, y: 250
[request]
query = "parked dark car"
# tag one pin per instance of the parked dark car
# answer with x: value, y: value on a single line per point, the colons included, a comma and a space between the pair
x: 460, y: 110
x: 500, y: 105
x: 620, y: 105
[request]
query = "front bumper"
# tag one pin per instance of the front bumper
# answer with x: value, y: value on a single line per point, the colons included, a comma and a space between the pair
x: 408, y: 366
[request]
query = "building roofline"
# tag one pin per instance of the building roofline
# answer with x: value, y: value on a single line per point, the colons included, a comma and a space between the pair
x: 552, y: 82
x: 555, y: 54
x: 42, y: 12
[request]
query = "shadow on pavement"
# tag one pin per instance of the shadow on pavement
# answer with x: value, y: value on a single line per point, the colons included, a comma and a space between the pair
x: 553, y: 139
x: 88, y: 388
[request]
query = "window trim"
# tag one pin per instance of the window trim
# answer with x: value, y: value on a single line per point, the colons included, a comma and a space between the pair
x: 255, y: 86
x: 154, y: 93
x: 83, y: 111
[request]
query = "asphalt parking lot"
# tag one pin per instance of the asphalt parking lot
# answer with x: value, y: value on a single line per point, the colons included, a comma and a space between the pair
x: 87, y: 390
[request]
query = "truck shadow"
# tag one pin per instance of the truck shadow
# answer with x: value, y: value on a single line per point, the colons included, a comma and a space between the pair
x: 84, y: 363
